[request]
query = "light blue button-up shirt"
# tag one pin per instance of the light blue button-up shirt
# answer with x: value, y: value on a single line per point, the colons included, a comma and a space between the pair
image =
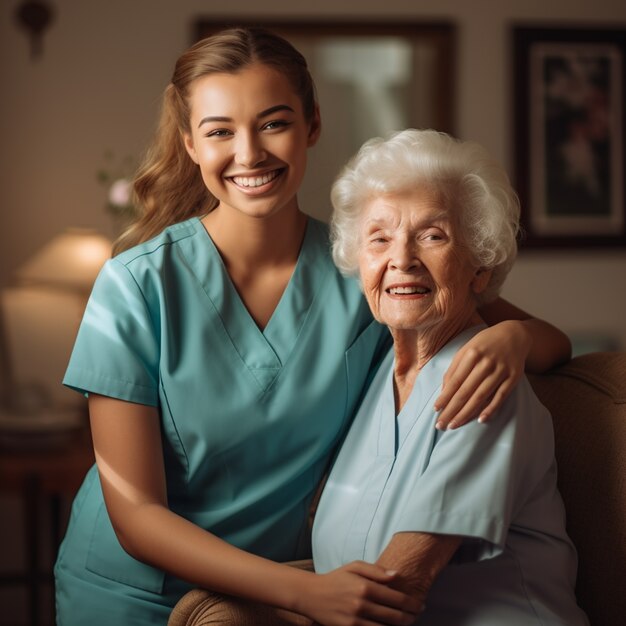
x: 494, y: 484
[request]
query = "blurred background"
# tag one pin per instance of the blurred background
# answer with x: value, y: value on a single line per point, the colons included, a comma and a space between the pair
x: 80, y: 98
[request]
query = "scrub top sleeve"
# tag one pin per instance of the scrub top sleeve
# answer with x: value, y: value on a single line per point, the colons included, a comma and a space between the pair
x: 470, y: 485
x: 116, y: 352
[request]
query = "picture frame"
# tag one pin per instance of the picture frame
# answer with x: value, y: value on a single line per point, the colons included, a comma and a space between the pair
x: 568, y: 98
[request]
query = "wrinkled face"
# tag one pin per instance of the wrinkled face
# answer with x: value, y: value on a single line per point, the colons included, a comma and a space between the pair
x: 250, y: 138
x: 415, y: 270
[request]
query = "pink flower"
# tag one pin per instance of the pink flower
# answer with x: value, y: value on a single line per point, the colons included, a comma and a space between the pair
x: 120, y: 193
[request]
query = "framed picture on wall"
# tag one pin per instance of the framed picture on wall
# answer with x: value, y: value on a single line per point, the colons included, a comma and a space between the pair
x: 569, y: 97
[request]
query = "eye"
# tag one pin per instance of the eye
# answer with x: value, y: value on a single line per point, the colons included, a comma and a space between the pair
x: 433, y: 235
x: 378, y: 238
x: 218, y: 132
x: 275, y: 124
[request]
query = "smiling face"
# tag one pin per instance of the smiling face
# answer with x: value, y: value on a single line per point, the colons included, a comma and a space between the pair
x: 250, y: 138
x: 415, y: 270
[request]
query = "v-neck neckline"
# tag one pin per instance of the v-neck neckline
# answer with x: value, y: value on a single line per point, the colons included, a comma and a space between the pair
x: 264, y: 351
x: 394, y: 429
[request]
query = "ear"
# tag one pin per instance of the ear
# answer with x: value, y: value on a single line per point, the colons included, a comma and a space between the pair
x: 315, y: 127
x: 191, y: 151
x: 481, y: 279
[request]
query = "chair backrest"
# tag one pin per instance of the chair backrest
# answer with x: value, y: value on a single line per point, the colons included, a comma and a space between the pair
x: 587, y: 399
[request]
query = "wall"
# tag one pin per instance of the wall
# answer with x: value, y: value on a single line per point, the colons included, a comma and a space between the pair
x: 97, y: 85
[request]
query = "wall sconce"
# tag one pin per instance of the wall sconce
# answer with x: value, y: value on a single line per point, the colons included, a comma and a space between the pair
x: 35, y: 16
x: 41, y: 313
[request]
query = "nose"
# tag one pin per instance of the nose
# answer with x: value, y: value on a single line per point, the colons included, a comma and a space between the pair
x: 403, y: 255
x: 249, y: 150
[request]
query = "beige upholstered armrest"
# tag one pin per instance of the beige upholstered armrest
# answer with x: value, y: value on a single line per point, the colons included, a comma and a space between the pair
x: 587, y: 400
x: 200, y: 607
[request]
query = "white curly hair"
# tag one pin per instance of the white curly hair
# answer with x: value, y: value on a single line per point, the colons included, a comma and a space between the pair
x: 469, y: 181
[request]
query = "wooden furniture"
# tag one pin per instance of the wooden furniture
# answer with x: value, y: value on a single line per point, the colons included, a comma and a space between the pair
x: 44, y: 479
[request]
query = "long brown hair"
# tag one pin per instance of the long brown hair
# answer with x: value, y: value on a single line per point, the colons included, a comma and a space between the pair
x: 168, y: 187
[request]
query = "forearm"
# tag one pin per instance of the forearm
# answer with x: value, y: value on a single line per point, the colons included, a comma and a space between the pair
x: 357, y: 590
x: 547, y: 346
x: 418, y: 558
x: 128, y: 449
x: 155, y: 535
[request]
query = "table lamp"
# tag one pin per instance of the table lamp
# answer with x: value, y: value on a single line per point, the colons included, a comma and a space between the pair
x: 41, y: 312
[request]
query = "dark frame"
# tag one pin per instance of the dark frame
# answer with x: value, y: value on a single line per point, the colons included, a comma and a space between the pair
x: 439, y: 34
x: 569, y: 93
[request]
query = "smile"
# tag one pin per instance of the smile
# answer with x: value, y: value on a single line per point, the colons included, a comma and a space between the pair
x: 256, y: 181
x: 407, y: 290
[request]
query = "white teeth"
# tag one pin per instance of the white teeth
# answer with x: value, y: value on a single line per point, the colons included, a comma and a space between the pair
x: 255, y: 181
x: 407, y: 290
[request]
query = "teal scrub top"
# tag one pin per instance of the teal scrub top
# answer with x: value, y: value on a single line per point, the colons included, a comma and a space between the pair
x: 249, y: 417
x: 493, y: 484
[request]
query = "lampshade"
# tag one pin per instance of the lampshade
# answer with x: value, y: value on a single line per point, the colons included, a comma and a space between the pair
x: 71, y: 260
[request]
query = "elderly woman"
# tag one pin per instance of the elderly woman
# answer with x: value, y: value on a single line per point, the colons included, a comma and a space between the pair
x: 472, y: 522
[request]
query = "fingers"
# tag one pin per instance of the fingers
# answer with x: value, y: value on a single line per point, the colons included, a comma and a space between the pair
x: 467, y: 405
x: 378, y: 601
x: 498, y: 398
x: 394, y: 604
x: 474, y: 391
x: 461, y: 368
x: 383, y: 605
x: 376, y: 614
x: 371, y: 571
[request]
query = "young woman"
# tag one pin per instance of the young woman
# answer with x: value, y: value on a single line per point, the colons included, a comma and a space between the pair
x: 224, y: 357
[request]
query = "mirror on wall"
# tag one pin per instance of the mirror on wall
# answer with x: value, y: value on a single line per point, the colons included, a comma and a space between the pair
x: 371, y: 79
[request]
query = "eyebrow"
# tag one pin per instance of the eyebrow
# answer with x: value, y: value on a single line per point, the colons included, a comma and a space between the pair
x: 262, y: 114
x: 378, y: 221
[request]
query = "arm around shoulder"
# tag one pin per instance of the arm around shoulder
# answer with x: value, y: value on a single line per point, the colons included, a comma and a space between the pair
x: 547, y: 346
x: 486, y: 369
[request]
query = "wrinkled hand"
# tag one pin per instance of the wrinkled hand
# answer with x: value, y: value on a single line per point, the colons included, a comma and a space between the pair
x: 482, y: 374
x: 358, y: 594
